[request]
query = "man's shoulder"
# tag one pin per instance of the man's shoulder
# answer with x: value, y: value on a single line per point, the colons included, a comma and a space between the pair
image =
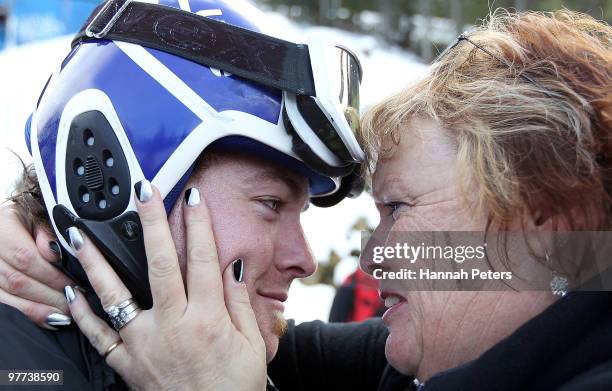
x: 370, y: 326
x: 12, y: 317
x: 15, y: 327
x: 24, y: 343
x: 596, y: 378
x: 25, y: 346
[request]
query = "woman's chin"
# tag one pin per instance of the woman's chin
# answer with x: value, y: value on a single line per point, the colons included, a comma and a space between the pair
x: 401, y: 350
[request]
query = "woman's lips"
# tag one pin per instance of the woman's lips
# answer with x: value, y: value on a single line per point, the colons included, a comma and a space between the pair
x: 393, y: 301
x: 390, y: 301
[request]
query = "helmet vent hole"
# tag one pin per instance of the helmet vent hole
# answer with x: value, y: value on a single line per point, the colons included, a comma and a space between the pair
x: 113, y: 186
x: 107, y: 158
x: 101, y: 201
x: 79, y: 169
x: 88, y: 138
x: 93, y: 174
x: 84, y: 194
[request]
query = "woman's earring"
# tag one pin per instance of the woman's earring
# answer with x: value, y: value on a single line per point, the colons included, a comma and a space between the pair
x: 558, y: 284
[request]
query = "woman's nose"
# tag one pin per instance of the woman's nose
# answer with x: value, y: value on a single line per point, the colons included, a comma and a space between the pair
x: 371, y: 254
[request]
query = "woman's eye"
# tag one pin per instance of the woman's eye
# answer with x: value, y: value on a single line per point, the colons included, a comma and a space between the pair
x: 272, y: 204
x: 395, y: 208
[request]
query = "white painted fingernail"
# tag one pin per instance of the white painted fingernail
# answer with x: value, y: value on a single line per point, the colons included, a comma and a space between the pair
x: 143, y: 190
x: 57, y: 319
x: 70, y: 295
x: 76, y: 239
x: 192, y: 197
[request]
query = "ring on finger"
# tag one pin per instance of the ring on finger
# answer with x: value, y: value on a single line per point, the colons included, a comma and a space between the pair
x: 123, y: 313
x: 111, y: 348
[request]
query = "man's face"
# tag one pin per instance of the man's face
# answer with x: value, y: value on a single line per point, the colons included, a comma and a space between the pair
x: 255, y: 208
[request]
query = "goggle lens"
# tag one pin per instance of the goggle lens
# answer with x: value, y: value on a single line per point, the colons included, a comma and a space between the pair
x: 322, y: 126
x: 347, y: 91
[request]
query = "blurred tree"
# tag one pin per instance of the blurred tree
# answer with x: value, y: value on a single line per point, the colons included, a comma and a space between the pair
x: 425, y: 48
x: 456, y: 11
x: 395, y: 21
x: 325, y: 268
x: 361, y: 225
x: 390, y: 11
x: 325, y: 271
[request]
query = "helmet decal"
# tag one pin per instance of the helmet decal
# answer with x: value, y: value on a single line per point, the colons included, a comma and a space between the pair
x: 136, y: 109
x: 212, y: 86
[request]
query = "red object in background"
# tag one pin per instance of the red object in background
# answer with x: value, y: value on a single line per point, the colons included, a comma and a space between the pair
x: 357, y: 299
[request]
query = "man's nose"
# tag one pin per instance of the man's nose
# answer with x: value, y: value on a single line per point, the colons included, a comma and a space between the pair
x: 294, y: 254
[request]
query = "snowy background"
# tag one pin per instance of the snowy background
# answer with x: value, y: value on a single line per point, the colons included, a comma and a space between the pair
x: 25, y: 69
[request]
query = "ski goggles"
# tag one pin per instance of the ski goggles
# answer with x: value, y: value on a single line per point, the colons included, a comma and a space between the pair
x: 320, y: 81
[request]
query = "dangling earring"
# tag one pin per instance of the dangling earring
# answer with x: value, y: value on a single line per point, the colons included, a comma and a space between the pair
x: 558, y: 284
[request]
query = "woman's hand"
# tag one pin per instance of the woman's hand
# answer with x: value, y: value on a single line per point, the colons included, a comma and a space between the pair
x: 207, y: 339
x: 28, y: 281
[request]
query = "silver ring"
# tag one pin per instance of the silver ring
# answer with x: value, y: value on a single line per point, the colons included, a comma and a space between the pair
x: 123, y: 313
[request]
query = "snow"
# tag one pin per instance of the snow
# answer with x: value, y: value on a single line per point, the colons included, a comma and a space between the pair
x: 309, y: 302
x: 24, y: 71
x: 386, y: 69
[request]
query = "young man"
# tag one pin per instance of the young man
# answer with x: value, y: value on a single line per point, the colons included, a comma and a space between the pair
x: 255, y: 208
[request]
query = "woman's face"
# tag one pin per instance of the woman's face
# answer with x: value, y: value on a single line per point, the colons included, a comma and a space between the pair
x: 416, y: 189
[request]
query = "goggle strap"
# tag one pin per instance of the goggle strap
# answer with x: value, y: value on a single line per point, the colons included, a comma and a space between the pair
x: 251, y: 55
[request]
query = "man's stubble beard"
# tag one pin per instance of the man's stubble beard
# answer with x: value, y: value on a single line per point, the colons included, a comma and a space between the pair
x: 280, y: 324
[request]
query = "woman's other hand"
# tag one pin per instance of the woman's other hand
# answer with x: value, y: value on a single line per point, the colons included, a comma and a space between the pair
x: 28, y: 281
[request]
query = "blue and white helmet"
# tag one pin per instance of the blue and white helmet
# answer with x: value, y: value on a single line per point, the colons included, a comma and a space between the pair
x: 115, y: 113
